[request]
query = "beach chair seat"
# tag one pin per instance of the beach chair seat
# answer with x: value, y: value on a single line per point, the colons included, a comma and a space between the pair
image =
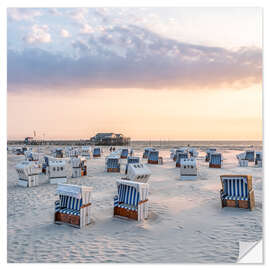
x: 236, y: 198
x: 128, y: 206
x: 70, y: 211
x: 153, y: 157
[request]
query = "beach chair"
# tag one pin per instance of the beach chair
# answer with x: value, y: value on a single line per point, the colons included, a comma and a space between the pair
x: 28, y: 173
x: 124, y: 153
x: 193, y: 152
x: 79, y: 167
x: 57, y: 171
x: 177, y: 151
x: 243, y: 163
x: 188, y: 169
x: 258, y: 159
x: 172, y: 153
x: 113, y: 163
x: 138, y: 172
x: 85, y: 152
x: 215, y: 160
x: 153, y: 157
x: 146, y: 152
x: 208, y: 153
x: 96, y: 152
x: 19, y: 151
x: 73, y: 206
x: 250, y: 155
x: 59, y: 153
x: 131, y: 160
x: 179, y: 157
x: 31, y: 156
x: 131, y: 200
x: 237, y: 191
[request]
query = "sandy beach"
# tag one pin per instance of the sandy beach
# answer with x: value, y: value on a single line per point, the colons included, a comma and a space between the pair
x: 186, y: 222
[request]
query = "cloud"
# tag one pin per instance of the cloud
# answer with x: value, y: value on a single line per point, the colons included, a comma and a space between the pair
x: 54, y: 11
x: 39, y: 34
x: 86, y: 29
x: 133, y: 57
x: 64, y: 33
x: 79, y: 15
x: 23, y: 14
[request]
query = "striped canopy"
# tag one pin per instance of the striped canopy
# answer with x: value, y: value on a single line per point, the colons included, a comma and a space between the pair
x: 130, y: 192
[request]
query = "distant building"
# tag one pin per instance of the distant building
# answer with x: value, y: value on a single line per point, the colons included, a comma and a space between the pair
x: 110, y: 139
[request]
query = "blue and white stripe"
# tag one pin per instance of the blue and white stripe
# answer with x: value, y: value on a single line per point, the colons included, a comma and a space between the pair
x: 215, y: 159
x: 235, y: 188
x: 153, y: 156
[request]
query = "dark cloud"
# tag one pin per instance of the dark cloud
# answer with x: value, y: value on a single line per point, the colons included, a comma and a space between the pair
x: 130, y: 57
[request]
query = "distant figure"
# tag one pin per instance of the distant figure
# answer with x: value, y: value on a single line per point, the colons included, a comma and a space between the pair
x: 110, y: 149
x: 131, y: 152
x: 113, y: 148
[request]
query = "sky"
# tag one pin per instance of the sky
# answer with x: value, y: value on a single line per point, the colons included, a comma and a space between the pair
x: 149, y: 73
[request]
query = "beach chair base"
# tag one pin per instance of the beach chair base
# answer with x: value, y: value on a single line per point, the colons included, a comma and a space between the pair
x: 117, y: 170
x: 122, y: 212
x: 69, y: 219
x: 95, y: 156
x: 152, y: 162
x: 123, y: 157
x: 214, y: 166
x: 177, y: 165
x: 246, y: 204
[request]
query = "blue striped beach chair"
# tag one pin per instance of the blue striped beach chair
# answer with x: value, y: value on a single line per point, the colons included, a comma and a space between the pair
x: 113, y: 164
x: 258, y: 158
x: 250, y: 155
x: 237, y: 191
x: 215, y: 160
x: 131, y: 200
x: 153, y: 157
x: 73, y: 206
x: 97, y: 152
x: 179, y: 156
x: 124, y: 153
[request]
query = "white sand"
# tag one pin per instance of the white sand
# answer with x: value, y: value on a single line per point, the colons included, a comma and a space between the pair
x: 186, y: 222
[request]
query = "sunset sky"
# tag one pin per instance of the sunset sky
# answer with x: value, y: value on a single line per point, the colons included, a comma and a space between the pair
x: 150, y: 73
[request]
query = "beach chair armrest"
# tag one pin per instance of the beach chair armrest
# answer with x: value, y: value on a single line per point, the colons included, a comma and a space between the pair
x: 222, y: 194
x: 144, y: 201
x: 85, y: 205
x: 57, y: 206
